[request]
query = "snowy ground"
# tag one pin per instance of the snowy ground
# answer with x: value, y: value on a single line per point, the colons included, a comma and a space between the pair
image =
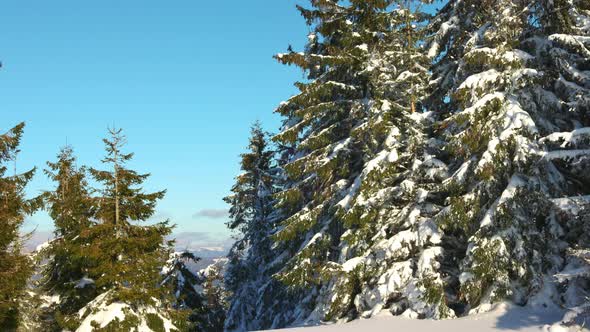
x: 504, y: 318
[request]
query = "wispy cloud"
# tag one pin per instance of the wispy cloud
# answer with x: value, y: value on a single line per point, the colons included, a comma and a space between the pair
x: 211, y: 214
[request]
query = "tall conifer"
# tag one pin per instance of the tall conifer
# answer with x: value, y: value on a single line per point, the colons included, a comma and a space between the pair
x: 566, y: 54
x: 15, y: 267
x: 70, y: 206
x: 187, y: 286
x: 505, y: 105
x: 252, y: 218
x: 126, y: 258
x: 355, y: 142
x: 388, y: 254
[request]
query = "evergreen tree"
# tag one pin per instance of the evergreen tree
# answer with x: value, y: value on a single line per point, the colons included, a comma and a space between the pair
x: 70, y: 206
x: 325, y: 159
x: 566, y: 58
x: 251, y: 205
x: 355, y: 142
x: 576, y: 274
x: 388, y: 254
x: 126, y: 258
x: 213, y: 317
x: 498, y: 95
x: 15, y: 267
x: 188, y: 287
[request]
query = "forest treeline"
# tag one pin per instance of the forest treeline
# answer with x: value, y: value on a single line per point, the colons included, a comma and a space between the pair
x: 106, y: 255
x: 432, y: 164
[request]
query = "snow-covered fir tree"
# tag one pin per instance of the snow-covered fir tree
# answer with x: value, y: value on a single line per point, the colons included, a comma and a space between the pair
x: 251, y: 217
x: 566, y: 55
x: 357, y: 202
x: 388, y: 254
x: 126, y: 258
x: 65, y: 268
x: 198, y: 293
x: 575, y: 277
x: 500, y: 96
x: 215, y: 295
x: 183, y: 282
x: 15, y: 267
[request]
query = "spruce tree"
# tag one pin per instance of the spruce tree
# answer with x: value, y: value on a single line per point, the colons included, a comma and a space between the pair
x: 385, y: 205
x: 213, y: 317
x: 197, y: 293
x: 126, y: 258
x: 15, y: 267
x: 576, y: 274
x: 388, y: 254
x: 566, y: 55
x: 251, y: 218
x: 499, y: 97
x: 325, y: 158
x: 354, y: 143
x: 565, y: 52
x: 65, y: 274
x: 200, y: 294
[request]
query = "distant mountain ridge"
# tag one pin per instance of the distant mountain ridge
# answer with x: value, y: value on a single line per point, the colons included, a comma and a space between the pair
x: 201, y: 244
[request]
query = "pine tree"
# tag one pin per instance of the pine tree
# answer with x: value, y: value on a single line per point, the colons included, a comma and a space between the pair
x: 496, y: 91
x: 15, y: 267
x: 200, y: 294
x: 389, y: 251
x: 251, y: 205
x: 214, y: 294
x: 576, y: 274
x: 355, y: 142
x: 318, y: 127
x: 187, y: 286
x: 566, y: 53
x: 71, y: 208
x: 126, y: 258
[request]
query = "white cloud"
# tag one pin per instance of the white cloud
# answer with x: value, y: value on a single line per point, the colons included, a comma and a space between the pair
x: 211, y: 214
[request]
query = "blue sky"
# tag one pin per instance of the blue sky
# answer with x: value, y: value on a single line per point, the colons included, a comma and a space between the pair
x: 185, y: 79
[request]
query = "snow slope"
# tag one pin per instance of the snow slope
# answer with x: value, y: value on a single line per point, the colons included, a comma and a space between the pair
x: 504, y: 317
x: 102, y: 313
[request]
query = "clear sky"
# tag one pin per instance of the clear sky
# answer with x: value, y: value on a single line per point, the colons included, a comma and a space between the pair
x: 184, y: 78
